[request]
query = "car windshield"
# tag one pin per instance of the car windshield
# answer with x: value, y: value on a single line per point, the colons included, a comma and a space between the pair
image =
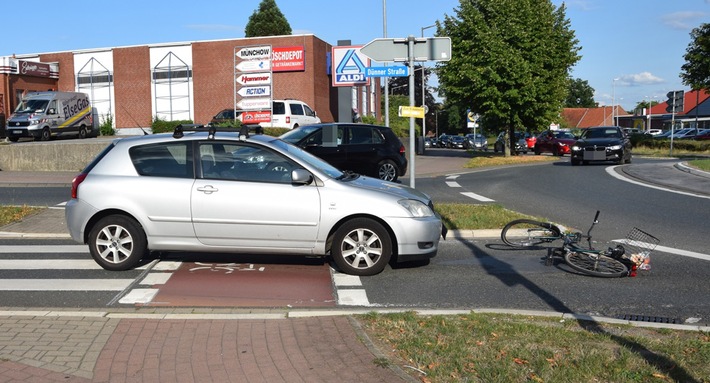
x: 297, y: 135
x: 31, y: 106
x: 564, y: 135
x: 308, y: 158
x: 601, y: 133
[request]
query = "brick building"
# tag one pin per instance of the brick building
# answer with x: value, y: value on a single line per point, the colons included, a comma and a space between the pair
x: 177, y: 81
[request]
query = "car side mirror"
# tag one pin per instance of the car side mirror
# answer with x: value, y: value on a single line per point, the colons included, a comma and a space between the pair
x: 301, y: 177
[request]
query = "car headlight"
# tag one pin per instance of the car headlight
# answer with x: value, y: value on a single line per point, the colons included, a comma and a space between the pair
x: 615, y: 147
x: 576, y: 148
x: 416, y: 208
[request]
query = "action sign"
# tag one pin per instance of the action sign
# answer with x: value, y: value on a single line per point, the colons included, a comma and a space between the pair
x: 387, y: 71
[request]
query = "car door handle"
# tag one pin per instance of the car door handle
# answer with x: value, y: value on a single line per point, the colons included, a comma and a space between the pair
x: 207, y: 189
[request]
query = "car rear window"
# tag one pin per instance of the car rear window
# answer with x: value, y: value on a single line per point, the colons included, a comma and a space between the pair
x: 296, y: 109
x: 279, y: 108
x: 168, y: 159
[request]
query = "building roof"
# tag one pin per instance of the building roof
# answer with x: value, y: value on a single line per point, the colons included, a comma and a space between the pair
x: 691, y: 99
x: 588, y: 117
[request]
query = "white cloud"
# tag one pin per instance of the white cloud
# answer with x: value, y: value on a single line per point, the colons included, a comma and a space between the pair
x: 643, y: 78
x: 684, y: 20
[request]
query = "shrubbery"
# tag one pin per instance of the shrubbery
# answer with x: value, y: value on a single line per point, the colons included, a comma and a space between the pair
x: 665, y: 144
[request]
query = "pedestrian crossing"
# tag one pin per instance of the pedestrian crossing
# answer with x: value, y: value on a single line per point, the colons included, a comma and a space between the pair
x: 80, y: 273
x: 28, y: 269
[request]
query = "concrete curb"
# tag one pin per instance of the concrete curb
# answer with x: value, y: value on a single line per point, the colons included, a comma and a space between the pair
x: 268, y: 315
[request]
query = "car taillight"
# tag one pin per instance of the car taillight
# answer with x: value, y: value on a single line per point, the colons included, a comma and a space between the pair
x: 288, y: 119
x: 401, y: 149
x: 75, y: 184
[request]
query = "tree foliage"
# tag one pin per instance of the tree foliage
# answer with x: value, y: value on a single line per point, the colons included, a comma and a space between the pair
x: 400, y: 86
x: 510, y: 61
x: 696, y: 70
x: 581, y: 94
x: 267, y: 20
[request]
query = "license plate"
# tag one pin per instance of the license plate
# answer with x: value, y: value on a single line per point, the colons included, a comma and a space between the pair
x: 16, y: 132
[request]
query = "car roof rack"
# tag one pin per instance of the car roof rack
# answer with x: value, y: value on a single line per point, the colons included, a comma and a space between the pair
x: 212, y: 130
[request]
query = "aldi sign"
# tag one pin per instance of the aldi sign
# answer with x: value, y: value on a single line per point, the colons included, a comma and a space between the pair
x: 349, y: 66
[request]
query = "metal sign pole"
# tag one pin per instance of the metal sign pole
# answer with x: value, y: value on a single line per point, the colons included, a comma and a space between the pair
x: 412, y: 135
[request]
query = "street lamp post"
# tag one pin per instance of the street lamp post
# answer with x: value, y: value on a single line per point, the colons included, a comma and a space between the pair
x: 424, y: 87
x: 613, y: 102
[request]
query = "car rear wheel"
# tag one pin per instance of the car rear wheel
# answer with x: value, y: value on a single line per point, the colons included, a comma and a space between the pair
x: 117, y: 243
x: 387, y: 170
x: 361, y: 246
x: 82, y: 132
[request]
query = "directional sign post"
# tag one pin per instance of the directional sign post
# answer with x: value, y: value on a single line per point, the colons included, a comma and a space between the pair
x: 409, y: 50
x: 253, y: 83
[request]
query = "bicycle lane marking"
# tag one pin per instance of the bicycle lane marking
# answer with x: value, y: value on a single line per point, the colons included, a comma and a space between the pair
x: 451, y: 182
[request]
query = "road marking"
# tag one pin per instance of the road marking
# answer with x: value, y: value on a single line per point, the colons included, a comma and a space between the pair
x: 477, y: 197
x: 44, y: 249
x: 49, y: 264
x: 346, y: 290
x: 139, y: 296
x: 670, y: 250
x: 454, y: 184
x: 618, y: 176
x: 64, y: 284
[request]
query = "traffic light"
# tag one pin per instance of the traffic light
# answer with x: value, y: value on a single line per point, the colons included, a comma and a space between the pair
x: 675, y: 101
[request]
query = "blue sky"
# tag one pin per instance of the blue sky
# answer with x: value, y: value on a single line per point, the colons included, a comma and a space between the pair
x: 639, y: 43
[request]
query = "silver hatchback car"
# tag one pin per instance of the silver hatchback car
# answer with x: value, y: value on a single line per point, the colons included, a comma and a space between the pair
x: 220, y: 191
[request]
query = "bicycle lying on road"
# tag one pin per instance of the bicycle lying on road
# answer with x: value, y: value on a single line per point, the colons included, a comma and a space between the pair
x: 622, y: 260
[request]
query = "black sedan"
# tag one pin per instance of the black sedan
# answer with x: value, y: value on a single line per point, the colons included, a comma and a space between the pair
x: 603, y: 143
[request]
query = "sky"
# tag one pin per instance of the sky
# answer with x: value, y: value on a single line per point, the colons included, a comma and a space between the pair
x: 631, y: 50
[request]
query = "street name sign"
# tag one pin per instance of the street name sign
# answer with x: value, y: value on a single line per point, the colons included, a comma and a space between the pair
x: 411, y: 111
x: 387, y: 71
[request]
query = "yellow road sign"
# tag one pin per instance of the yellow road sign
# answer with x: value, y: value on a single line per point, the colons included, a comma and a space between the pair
x: 411, y: 111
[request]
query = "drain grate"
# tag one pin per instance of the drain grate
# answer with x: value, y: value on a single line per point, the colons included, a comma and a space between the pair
x: 651, y: 319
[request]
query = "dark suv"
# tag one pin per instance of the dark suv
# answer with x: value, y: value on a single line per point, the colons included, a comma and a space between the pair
x: 370, y: 150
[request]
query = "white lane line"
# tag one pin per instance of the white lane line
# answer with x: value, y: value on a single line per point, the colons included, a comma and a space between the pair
x: 347, y: 291
x: 44, y: 249
x: 156, y: 279
x: 670, y: 250
x: 53, y: 264
x: 453, y: 184
x: 64, y: 284
x: 618, y: 176
x: 139, y: 296
x: 477, y: 197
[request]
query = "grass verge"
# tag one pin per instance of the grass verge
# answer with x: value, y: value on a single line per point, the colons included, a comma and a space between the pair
x: 10, y: 214
x: 509, y: 348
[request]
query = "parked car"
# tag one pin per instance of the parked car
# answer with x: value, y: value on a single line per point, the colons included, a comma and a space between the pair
x: 557, y: 142
x: 370, y: 150
x: 239, y: 193
x: 225, y: 116
x: 703, y: 135
x: 604, y: 143
x: 443, y: 140
x: 456, y: 142
x: 291, y: 114
x: 684, y: 133
x: 476, y: 141
x: 521, y: 145
x: 530, y: 140
x: 654, y: 132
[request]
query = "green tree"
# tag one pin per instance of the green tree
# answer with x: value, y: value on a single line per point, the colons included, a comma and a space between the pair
x: 581, y: 94
x: 267, y: 21
x: 696, y: 70
x: 510, y: 61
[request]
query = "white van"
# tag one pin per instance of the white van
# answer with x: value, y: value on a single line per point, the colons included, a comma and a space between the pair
x: 42, y: 115
x: 291, y: 114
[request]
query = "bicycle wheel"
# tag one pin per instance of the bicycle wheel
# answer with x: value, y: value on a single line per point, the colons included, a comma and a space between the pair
x: 528, y: 233
x: 596, y: 265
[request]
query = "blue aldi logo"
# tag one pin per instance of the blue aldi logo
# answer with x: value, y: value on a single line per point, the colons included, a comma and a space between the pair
x: 349, y: 66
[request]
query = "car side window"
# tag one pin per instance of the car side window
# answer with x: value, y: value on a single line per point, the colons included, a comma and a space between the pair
x: 360, y: 135
x: 279, y: 108
x: 168, y: 159
x: 296, y: 109
x: 241, y: 162
x: 309, y: 112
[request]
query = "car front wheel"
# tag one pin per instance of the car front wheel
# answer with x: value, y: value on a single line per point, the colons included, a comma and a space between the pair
x: 387, y: 170
x: 117, y: 243
x: 361, y: 246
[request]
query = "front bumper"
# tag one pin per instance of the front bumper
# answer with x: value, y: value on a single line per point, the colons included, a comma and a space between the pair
x: 597, y: 153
